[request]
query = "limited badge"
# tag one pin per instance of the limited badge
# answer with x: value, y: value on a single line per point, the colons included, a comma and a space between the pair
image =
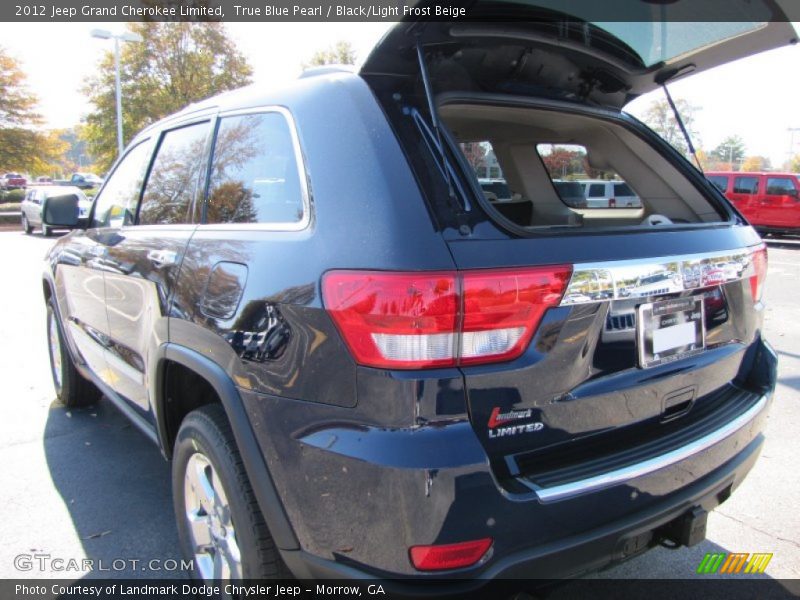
x: 497, y: 420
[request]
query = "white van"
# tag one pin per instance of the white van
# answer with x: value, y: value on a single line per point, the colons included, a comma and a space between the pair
x: 609, y: 194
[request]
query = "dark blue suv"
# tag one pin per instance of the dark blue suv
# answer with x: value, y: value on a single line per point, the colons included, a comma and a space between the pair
x: 361, y: 365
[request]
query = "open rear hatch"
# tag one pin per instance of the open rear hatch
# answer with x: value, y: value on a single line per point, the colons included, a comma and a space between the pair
x: 607, y: 53
x: 651, y: 334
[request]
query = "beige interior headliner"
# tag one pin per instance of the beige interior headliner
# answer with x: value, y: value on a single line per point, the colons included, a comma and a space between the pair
x: 514, y: 133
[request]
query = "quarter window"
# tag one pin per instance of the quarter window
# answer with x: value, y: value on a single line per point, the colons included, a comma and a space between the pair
x: 745, y: 185
x: 116, y: 204
x: 255, y: 177
x: 720, y: 182
x: 780, y: 186
x: 172, y: 183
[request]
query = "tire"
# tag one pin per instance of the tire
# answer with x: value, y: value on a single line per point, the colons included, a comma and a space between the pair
x: 46, y: 231
x: 26, y: 226
x: 72, y: 389
x: 210, y: 488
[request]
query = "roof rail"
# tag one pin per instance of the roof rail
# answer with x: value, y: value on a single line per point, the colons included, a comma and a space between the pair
x: 326, y: 70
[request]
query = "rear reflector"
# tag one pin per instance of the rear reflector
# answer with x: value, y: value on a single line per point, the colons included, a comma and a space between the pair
x: 759, y: 258
x: 449, y: 556
x: 438, y: 319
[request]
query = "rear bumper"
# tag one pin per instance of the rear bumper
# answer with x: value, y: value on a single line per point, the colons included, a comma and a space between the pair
x: 577, y: 554
x: 358, y: 497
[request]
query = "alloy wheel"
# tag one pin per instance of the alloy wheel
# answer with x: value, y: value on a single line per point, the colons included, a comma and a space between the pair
x: 214, y: 545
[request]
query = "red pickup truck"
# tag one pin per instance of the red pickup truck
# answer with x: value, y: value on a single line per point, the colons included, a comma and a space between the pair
x: 770, y: 201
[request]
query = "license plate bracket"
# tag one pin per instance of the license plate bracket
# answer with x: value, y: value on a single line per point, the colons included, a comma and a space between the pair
x: 669, y: 330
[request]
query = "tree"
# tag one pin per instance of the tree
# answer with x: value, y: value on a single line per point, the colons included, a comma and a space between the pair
x: 341, y: 53
x: 22, y: 146
x: 756, y: 163
x: 475, y: 153
x: 561, y: 162
x: 729, y: 152
x: 174, y: 65
x: 793, y: 164
x: 660, y: 118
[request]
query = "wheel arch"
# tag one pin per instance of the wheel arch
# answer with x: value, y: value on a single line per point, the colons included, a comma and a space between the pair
x: 257, y: 471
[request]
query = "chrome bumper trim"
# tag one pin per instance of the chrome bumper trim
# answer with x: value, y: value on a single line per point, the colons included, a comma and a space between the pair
x: 641, y: 278
x: 604, y: 480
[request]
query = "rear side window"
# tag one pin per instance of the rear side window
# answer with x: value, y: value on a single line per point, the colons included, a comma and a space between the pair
x: 780, y: 186
x: 596, y: 190
x: 573, y: 162
x: 623, y: 189
x: 116, y: 204
x: 172, y: 183
x: 745, y: 185
x: 719, y: 181
x: 255, y: 175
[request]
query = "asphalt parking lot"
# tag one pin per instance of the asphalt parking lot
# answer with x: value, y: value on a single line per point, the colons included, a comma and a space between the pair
x: 86, y: 484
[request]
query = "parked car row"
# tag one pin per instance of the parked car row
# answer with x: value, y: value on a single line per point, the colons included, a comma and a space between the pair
x: 582, y: 193
x: 84, y: 181
x: 770, y: 201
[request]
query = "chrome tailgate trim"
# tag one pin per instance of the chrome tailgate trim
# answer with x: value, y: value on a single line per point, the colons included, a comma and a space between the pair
x: 626, y: 279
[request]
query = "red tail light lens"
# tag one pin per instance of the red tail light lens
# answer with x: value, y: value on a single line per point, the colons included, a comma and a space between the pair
x: 759, y: 258
x: 394, y: 320
x: 502, y: 310
x: 449, y: 556
x: 437, y: 319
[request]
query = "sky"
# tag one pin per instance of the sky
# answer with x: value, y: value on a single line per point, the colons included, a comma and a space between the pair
x: 757, y: 98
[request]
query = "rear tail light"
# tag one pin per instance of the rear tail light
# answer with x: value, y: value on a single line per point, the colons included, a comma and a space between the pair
x: 759, y: 274
x: 449, y: 556
x: 439, y: 319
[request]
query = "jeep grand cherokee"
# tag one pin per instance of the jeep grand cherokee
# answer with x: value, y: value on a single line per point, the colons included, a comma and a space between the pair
x: 359, y: 366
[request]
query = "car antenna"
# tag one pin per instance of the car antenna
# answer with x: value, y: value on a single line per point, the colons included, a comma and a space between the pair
x: 686, y: 135
x: 423, y: 69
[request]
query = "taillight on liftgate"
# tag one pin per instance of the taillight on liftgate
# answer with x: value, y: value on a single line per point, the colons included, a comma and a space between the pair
x: 440, y: 319
x: 759, y: 274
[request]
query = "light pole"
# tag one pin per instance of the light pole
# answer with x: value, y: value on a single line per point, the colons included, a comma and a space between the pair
x: 792, y: 131
x: 125, y: 37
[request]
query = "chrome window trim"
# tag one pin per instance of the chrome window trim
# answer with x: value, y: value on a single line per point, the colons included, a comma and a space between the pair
x: 621, y: 475
x: 305, y: 221
x: 618, y: 280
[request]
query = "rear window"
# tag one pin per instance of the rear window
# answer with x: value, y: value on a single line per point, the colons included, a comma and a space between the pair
x: 780, y: 186
x: 745, y: 185
x: 255, y: 175
x: 571, y: 193
x: 573, y: 163
x: 604, y: 176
